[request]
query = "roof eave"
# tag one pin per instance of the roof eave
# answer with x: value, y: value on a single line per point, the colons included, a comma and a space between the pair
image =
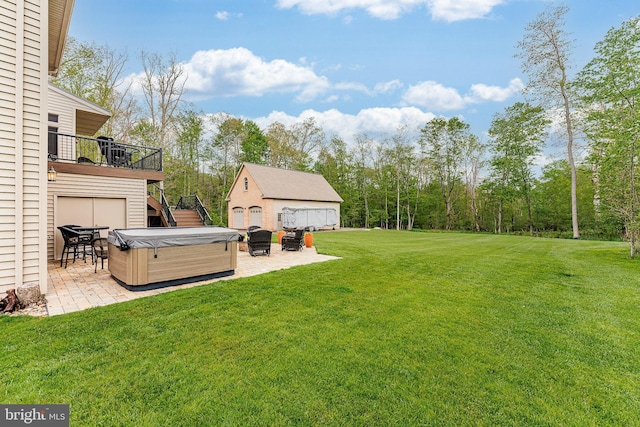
x: 59, y: 19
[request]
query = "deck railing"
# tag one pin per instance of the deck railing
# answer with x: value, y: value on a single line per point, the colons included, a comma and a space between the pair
x: 103, y: 151
x: 193, y: 202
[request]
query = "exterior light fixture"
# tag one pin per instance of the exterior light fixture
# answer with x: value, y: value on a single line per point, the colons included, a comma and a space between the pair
x: 52, y: 174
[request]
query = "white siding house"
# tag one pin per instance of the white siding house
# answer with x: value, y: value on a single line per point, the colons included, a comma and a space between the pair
x: 30, y: 48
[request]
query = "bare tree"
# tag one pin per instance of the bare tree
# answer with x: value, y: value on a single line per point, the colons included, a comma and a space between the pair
x: 162, y: 87
x: 545, y: 53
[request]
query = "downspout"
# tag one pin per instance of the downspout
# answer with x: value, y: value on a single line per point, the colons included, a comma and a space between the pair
x: 19, y: 146
x: 44, y: 184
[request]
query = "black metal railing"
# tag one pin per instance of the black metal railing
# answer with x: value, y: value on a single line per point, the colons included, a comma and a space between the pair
x: 103, y: 151
x: 158, y: 194
x: 193, y: 202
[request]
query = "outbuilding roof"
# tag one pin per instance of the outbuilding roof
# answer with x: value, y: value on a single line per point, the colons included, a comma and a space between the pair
x: 284, y: 184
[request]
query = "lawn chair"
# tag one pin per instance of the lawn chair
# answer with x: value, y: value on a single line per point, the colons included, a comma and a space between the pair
x: 293, y: 242
x: 259, y: 241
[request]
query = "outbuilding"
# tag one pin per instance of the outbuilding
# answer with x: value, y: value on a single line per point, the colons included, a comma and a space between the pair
x: 260, y: 193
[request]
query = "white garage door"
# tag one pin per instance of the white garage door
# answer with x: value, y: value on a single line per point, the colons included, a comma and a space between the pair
x: 87, y: 211
x: 238, y: 218
x: 255, y: 216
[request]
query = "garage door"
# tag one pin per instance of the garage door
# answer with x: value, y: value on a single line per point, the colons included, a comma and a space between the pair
x: 87, y: 211
x: 255, y: 216
x: 238, y: 218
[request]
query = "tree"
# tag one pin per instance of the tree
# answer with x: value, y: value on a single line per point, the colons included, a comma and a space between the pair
x: 445, y: 141
x: 94, y: 73
x: 162, y: 87
x: 190, y: 126
x: 609, y: 88
x: 472, y: 158
x: 545, y: 52
x: 254, y: 145
x: 281, y: 148
x: 224, y: 152
x: 517, y: 136
x: 307, y: 139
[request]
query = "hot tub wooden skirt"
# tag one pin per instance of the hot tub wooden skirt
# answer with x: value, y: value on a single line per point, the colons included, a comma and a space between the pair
x: 166, y: 266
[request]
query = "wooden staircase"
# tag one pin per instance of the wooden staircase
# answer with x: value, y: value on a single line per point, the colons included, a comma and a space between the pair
x: 187, y: 218
x: 160, y: 214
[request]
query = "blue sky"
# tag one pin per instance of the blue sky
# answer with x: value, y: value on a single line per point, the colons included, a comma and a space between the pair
x: 357, y: 66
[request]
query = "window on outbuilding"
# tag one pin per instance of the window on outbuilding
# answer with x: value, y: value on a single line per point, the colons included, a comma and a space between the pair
x: 246, y: 184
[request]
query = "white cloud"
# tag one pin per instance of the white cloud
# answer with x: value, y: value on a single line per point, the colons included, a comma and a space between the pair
x: 482, y: 93
x: 387, y: 87
x: 222, y: 15
x: 437, y: 97
x: 371, y: 121
x: 446, y: 10
x: 238, y: 72
x: 434, y: 96
x: 458, y: 10
x: 382, y: 9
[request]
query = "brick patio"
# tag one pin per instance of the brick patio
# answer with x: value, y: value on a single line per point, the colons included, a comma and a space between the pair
x: 77, y: 287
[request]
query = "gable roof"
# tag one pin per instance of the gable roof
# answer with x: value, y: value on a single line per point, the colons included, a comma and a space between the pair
x: 89, y: 116
x: 284, y: 184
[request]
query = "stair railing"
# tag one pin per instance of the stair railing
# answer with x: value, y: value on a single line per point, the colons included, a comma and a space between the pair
x: 158, y: 194
x: 166, y: 211
x: 194, y: 203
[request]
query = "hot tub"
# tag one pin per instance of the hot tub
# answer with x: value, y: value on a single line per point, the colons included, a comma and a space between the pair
x: 143, y: 258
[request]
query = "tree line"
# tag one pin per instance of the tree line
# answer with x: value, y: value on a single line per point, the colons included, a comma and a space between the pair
x: 437, y: 176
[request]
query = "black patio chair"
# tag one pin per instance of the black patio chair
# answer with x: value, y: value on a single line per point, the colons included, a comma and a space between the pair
x: 259, y: 241
x: 100, y: 248
x: 115, y: 153
x: 74, y: 240
x: 293, y: 242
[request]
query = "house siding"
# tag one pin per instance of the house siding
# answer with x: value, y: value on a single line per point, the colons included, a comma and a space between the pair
x: 65, y: 109
x: 23, y: 26
x: 73, y: 185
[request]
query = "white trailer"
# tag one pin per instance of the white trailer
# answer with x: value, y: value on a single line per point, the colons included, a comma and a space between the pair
x: 308, y: 218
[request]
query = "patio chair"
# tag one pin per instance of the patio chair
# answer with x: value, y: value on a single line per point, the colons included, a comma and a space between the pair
x: 259, y: 241
x: 74, y: 240
x: 116, y: 154
x: 100, y: 251
x: 293, y: 242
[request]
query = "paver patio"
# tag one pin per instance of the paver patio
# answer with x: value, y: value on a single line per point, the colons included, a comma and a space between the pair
x: 77, y: 287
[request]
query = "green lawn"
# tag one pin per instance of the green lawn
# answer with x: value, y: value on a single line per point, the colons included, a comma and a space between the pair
x: 405, y: 329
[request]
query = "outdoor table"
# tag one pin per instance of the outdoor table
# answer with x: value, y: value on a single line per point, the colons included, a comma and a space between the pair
x: 92, y: 228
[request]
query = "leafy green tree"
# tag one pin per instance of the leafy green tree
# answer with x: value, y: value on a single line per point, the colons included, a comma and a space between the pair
x: 445, y: 142
x: 335, y: 163
x: 609, y: 86
x: 281, y: 146
x: 552, y: 198
x: 517, y: 136
x: 254, y: 144
x: 190, y: 127
x: 94, y: 73
x: 545, y: 51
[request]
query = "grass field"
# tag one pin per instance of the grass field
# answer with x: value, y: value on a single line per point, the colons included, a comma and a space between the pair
x: 405, y: 329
